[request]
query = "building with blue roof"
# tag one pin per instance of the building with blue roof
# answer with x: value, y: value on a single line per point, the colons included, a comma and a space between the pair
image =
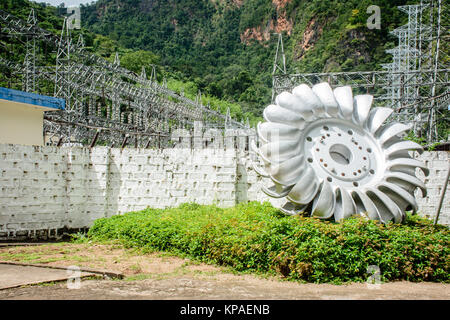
x: 22, y: 116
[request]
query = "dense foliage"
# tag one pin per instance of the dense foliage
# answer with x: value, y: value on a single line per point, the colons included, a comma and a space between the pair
x: 206, y: 42
x: 212, y: 45
x: 258, y: 238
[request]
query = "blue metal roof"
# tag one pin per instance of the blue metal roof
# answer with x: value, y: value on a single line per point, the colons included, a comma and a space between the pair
x: 32, y: 98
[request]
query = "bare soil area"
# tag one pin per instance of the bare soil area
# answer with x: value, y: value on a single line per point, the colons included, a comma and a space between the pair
x: 161, y: 276
x: 98, y: 256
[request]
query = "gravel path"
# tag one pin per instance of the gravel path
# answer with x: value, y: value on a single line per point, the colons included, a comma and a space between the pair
x: 227, y: 287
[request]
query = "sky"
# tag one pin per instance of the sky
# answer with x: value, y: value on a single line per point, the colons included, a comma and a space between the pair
x: 66, y: 2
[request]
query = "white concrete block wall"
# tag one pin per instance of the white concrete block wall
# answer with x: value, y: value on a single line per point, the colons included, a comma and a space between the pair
x: 437, y: 162
x: 43, y: 189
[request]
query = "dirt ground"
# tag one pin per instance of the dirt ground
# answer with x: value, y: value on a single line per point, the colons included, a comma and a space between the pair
x: 161, y: 276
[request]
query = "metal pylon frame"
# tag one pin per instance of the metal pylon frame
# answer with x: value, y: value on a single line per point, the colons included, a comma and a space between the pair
x: 279, y: 64
x: 100, y: 95
x: 415, y: 84
x: 29, y: 81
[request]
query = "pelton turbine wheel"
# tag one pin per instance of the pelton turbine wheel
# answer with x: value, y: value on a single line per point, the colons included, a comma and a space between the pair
x: 330, y: 155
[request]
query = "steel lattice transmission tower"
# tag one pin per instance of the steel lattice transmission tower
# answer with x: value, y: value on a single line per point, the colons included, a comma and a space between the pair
x: 417, y: 50
x: 415, y: 84
x: 105, y: 103
x: 30, y: 57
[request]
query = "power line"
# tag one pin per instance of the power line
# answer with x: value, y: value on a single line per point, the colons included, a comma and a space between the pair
x: 415, y: 84
x: 99, y: 95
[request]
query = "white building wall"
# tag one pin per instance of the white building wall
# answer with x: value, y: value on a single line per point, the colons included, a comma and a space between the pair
x: 21, y: 123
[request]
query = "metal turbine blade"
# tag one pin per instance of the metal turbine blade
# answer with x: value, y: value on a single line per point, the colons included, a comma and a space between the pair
x: 332, y: 156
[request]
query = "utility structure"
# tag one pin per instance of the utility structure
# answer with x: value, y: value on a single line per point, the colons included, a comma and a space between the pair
x: 104, y: 101
x: 415, y: 84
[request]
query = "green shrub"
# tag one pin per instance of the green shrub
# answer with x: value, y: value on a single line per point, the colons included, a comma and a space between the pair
x: 258, y: 238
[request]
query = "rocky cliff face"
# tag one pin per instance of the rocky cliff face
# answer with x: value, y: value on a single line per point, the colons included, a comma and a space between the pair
x: 277, y: 24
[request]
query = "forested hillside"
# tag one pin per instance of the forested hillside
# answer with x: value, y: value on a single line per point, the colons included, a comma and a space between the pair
x: 226, y: 47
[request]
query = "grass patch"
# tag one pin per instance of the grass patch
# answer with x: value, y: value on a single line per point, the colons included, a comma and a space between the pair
x: 258, y: 238
x: 24, y: 257
x: 47, y: 260
x: 140, y: 277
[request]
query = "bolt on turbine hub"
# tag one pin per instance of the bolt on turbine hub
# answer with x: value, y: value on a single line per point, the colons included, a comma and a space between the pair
x: 329, y: 154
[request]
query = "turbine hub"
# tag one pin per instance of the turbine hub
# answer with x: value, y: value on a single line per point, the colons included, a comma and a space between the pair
x: 343, y: 155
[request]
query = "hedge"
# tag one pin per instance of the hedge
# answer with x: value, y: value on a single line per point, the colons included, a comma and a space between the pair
x: 256, y: 237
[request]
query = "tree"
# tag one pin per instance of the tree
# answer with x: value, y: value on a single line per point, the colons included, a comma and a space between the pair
x: 134, y: 61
